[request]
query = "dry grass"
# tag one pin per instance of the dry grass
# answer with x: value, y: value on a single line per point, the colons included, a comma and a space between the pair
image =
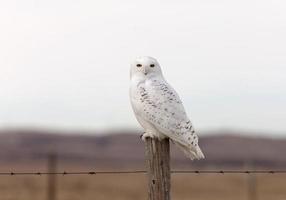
x: 133, y: 187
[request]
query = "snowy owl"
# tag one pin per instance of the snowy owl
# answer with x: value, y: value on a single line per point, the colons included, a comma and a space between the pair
x: 158, y: 108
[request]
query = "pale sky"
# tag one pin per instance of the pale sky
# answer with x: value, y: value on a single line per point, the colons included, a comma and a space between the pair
x: 65, y: 63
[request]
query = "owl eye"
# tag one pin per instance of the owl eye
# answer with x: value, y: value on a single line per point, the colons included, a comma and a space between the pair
x: 139, y: 65
x: 152, y: 65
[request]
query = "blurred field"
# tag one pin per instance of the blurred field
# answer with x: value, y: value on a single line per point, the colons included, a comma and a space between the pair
x: 133, y: 186
x: 29, y: 152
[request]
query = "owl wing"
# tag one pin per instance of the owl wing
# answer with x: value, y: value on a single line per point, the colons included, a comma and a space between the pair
x: 161, y: 106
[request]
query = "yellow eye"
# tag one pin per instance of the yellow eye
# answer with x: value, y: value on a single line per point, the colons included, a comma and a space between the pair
x: 139, y: 65
x: 152, y: 65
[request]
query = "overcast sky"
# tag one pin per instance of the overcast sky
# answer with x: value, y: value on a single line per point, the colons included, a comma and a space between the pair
x: 65, y: 63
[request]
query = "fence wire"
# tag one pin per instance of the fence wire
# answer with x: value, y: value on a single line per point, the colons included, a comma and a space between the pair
x: 64, y: 173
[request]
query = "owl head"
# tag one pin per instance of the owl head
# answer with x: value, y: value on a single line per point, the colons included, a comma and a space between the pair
x: 145, y: 66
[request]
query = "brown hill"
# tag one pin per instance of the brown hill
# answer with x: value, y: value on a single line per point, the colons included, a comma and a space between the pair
x: 125, y: 150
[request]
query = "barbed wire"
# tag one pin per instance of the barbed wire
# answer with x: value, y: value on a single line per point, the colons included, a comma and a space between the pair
x: 64, y: 173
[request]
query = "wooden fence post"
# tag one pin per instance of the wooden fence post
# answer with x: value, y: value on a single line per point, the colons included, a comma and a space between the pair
x: 52, y: 181
x: 252, y: 190
x: 158, y: 168
x: 251, y: 181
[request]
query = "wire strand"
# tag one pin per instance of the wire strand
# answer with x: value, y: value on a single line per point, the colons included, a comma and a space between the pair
x: 64, y: 173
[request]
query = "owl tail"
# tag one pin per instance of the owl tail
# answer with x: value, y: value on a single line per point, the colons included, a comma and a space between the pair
x: 191, y: 152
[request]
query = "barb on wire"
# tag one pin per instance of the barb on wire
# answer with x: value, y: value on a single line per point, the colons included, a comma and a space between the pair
x: 229, y: 171
x: 64, y: 173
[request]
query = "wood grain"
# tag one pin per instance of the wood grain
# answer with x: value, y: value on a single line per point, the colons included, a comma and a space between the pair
x: 158, y: 168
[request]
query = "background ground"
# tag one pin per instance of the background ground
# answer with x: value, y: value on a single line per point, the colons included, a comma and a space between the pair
x: 131, y: 187
x: 28, y: 151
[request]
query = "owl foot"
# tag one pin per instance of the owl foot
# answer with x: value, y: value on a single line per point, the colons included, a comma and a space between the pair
x: 145, y: 135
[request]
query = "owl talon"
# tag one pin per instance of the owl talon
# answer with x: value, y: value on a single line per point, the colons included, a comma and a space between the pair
x: 146, y: 135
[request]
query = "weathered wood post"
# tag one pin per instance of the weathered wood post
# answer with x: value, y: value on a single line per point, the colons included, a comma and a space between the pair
x: 158, y: 168
x: 251, y: 182
x: 252, y: 190
x: 52, y: 181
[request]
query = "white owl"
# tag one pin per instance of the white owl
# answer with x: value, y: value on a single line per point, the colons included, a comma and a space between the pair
x: 159, y: 109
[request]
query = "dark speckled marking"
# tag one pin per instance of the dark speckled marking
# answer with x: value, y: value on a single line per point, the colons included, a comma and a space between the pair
x: 153, y: 105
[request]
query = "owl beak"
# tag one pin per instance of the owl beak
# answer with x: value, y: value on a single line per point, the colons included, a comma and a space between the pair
x: 145, y: 72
